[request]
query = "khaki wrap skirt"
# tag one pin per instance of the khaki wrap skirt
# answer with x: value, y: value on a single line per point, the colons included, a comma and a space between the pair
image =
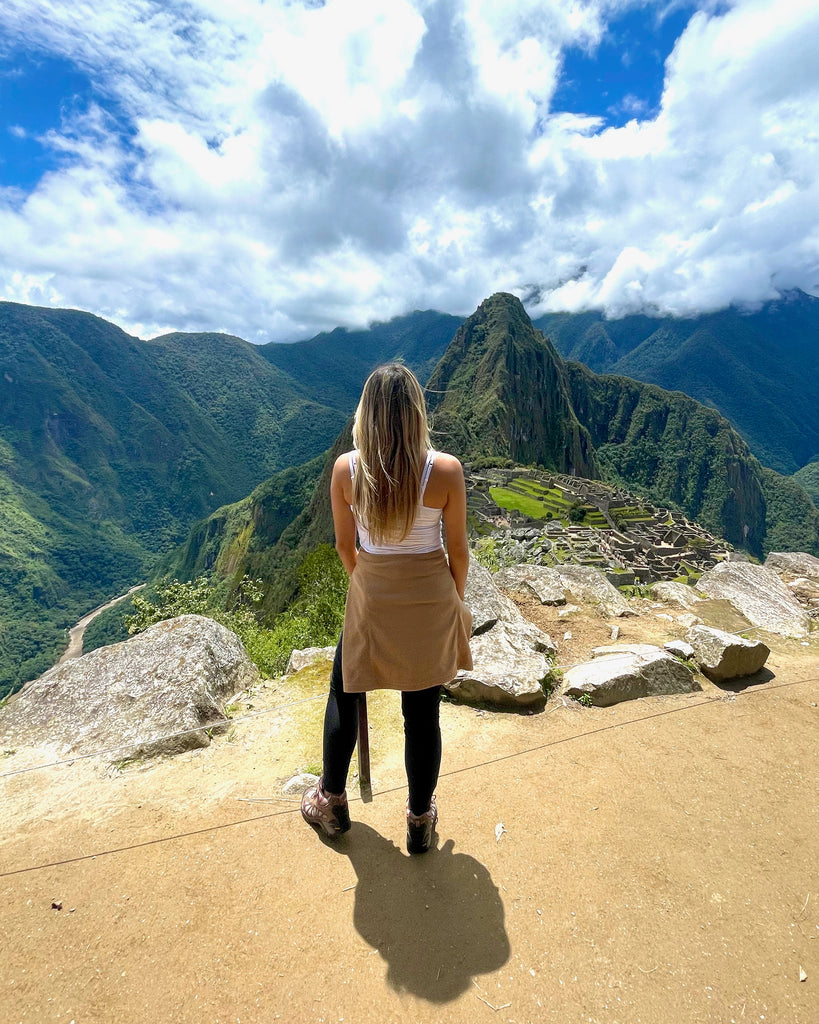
x: 405, y: 628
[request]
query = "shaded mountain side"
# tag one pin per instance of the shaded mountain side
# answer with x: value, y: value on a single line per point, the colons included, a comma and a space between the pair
x: 235, y: 537
x: 335, y: 365
x: 501, y: 389
x: 760, y: 369
x: 680, y: 452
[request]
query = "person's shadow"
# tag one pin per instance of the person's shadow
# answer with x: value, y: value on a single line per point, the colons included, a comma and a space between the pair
x: 437, y: 919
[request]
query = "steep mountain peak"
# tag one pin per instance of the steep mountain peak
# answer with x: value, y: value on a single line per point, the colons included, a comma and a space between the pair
x: 500, y: 389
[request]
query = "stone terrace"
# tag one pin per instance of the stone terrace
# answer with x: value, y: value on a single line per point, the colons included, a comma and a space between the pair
x: 587, y: 522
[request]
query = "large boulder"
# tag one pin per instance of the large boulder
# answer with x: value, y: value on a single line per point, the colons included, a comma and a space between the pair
x: 175, y: 677
x: 793, y: 563
x: 543, y: 582
x: 674, y: 592
x: 487, y: 604
x: 590, y: 586
x: 722, y: 656
x: 759, y: 594
x: 511, y: 664
x: 627, y: 674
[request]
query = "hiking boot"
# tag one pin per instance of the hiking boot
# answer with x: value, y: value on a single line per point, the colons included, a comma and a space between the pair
x: 420, y: 828
x: 327, y: 811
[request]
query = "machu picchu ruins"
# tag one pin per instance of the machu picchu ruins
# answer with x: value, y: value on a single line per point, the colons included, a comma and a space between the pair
x: 526, y: 514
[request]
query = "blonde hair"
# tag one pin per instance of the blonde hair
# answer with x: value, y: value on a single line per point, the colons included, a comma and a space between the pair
x: 391, y: 434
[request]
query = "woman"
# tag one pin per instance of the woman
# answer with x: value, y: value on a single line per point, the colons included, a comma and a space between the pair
x: 405, y: 624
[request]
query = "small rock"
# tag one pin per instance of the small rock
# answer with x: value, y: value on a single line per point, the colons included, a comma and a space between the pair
x: 570, y: 609
x: 308, y: 656
x: 680, y: 649
x: 615, y: 632
x: 299, y: 783
x: 688, y: 620
x: 567, y: 635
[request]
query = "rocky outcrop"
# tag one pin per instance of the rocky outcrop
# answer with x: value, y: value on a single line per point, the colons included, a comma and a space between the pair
x: 590, y: 586
x: 794, y: 563
x: 627, y: 673
x: 510, y: 667
x: 487, y: 604
x: 511, y: 656
x: 539, y: 580
x: 174, y: 677
x: 722, y: 656
x: 759, y: 594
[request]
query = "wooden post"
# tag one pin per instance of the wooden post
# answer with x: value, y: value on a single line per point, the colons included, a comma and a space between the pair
x: 364, y: 749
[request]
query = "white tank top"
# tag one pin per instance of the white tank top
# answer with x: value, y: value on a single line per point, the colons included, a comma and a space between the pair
x: 425, y: 534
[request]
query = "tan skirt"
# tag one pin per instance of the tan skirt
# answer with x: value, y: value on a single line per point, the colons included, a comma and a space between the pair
x: 405, y: 628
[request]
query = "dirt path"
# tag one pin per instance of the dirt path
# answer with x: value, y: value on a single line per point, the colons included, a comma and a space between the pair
x: 76, y: 633
x: 658, y: 864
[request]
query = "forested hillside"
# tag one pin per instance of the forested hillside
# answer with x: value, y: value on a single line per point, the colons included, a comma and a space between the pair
x: 759, y: 368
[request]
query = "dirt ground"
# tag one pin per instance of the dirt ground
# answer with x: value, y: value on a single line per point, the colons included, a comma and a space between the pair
x: 652, y: 862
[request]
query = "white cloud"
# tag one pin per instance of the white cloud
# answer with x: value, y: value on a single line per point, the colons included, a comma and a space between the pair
x: 277, y: 168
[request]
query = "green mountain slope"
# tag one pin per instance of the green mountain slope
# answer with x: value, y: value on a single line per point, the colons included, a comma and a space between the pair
x: 110, y: 447
x: 335, y: 365
x: 500, y: 389
x: 759, y: 369
x: 808, y: 480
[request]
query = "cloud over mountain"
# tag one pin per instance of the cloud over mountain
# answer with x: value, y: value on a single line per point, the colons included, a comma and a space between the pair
x: 272, y: 169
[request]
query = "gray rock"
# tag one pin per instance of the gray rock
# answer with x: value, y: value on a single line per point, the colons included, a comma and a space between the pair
x: 688, y: 620
x: 676, y: 593
x: 543, y: 582
x: 487, y: 604
x: 616, y: 677
x: 723, y: 656
x: 606, y: 649
x: 795, y: 563
x: 759, y: 594
x: 680, y: 649
x: 176, y: 676
x: 590, y: 586
x: 508, y: 670
x: 308, y: 656
x: 804, y: 589
x: 299, y: 783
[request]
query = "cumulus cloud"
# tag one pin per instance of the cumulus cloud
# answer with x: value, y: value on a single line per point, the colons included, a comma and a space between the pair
x: 276, y: 168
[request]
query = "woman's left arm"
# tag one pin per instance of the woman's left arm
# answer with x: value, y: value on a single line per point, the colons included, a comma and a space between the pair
x: 454, y: 515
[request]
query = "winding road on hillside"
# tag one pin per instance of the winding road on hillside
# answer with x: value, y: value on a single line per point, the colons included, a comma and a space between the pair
x: 76, y: 633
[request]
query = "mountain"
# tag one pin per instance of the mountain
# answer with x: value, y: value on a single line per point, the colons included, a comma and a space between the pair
x: 501, y: 390
x: 110, y: 447
x: 335, y: 365
x: 758, y: 368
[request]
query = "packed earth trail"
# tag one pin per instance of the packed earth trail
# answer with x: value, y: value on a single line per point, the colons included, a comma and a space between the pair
x: 647, y: 862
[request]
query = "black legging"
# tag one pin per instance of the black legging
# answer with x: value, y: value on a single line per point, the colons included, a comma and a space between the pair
x: 422, y: 737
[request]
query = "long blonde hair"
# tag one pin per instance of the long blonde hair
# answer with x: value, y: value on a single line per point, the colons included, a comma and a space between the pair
x: 391, y: 434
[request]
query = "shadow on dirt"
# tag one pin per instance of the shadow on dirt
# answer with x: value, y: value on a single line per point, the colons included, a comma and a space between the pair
x: 437, y: 919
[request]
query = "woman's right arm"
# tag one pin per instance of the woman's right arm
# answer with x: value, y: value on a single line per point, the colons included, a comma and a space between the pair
x: 343, y: 520
x: 454, y: 515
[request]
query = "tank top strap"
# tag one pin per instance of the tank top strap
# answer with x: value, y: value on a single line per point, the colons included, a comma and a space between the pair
x: 427, y: 471
x: 352, y: 458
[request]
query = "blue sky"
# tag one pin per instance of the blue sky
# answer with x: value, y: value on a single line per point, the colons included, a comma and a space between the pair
x: 278, y: 168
